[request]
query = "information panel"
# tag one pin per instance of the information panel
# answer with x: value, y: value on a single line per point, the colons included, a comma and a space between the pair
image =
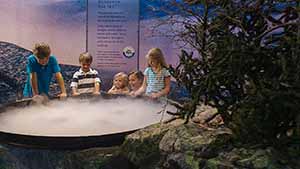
x: 113, y: 34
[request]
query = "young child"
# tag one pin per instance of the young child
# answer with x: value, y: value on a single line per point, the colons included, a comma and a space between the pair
x: 40, y: 68
x: 120, y: 84
x: 86, y: 79
x: 157, y: 78
x: 135, y: 80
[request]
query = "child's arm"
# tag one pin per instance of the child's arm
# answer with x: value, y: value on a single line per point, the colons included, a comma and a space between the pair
x: 74, y: 85
x: 61, y: 83
x: 74, y: 91
x: 97, y: 84
x: 164, y: 91
x: 111, y: 90
x: 126, y: 91
x: 142, y: 89
x: 97, y: 88
x: 34, y: 83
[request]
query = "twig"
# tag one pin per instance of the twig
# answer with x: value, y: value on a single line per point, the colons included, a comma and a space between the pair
x: 171, y: 119
x: 163, y: 112
x: 274, y: 28
x: 211, y: 118
x: 174, y: 114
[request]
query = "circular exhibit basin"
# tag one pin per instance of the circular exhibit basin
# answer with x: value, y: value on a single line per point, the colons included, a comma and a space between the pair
x: 77, y: 123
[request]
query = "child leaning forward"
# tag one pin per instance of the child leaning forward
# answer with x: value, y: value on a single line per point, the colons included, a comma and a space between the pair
x: 41, y: 66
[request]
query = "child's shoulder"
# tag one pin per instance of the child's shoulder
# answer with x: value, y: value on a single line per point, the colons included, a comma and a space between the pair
x: 32, y: 58
x: 77, y: 72
x: 52, y: 59
x: 165, y: 72
x: 164, y: 69
x: 92, y: 70
x: 148, y: 69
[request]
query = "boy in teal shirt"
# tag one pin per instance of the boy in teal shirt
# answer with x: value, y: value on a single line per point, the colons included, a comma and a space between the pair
x: 40, y: 68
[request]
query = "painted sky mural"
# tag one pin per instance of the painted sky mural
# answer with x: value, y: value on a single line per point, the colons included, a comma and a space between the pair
x: 64, y: 25
x: 59, y: 23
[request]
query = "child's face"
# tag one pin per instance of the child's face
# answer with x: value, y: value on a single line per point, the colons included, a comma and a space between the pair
x: 85, y: 66
x: 134, y: 82
x: 43, y: 61
x: 153, y: 63
x: 119, y: 82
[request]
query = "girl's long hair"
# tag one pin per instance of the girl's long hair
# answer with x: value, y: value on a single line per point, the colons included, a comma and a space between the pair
x: 157, y: 54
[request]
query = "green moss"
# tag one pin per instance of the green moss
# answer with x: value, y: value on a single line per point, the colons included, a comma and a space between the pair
x: 212, y: 163
x: 95, y: 164
x: 261, y: 162
x: 140, y: 151
x: 191, y: 161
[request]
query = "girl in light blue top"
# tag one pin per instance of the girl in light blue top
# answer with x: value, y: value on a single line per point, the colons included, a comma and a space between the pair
x: 156, y: 76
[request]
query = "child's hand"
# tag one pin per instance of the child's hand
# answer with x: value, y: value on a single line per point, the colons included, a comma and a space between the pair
x: 62, y: 95
x: 96, y: 93
x: 132, y: 94
x: 40, y: 99
x: 75, y: 94
x: 154, y: 95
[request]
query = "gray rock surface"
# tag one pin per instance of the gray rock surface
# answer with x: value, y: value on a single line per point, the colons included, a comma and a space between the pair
x: 188, y: 146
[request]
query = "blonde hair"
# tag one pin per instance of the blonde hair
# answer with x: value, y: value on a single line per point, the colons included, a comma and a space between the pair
x: 123, y: 76
x: 41, y: 50
x: 157, y: 54
x: 85, y: 58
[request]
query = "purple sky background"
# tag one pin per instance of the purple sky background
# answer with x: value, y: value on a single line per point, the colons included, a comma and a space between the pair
x: 62, y: 24
x: 26, y: 22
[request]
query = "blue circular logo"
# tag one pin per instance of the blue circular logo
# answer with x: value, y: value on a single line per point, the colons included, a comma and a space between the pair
x: 128, y: 52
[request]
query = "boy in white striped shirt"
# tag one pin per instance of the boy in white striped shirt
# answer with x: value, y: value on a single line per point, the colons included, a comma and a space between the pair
x: 86, y: 79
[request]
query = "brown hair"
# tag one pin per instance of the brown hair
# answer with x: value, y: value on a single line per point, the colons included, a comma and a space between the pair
x: 138, y: 74
x: 85, y: 58
x: 41, y: 50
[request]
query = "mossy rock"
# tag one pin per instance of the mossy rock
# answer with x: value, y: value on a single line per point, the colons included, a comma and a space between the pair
x: 191, y: 160
x: 191, y: 138
x: 215, y: 163
x: 267, y: 158
x: 141, y: 147
x: 185, y: 160
x: 93, y: 158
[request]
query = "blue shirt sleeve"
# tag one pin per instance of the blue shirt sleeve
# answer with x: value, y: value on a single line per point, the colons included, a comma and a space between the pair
x: 146, y: 72
x: 54, y: 64
x: 165, y: 72
x: 31, y: 64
